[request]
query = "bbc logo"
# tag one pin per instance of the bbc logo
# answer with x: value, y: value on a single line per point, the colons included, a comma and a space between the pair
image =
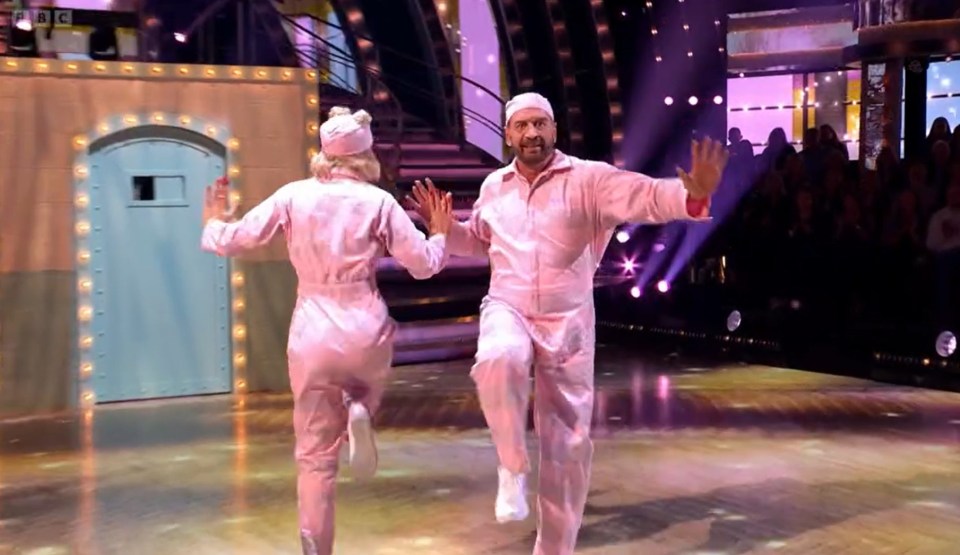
x: 45, y: 17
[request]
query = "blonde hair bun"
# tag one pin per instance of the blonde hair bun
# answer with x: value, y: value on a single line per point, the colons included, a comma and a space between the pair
x: 339, y: 111
x: 362, y: 117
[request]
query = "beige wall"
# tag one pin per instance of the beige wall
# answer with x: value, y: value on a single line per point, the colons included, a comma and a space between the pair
x: 271, y: 112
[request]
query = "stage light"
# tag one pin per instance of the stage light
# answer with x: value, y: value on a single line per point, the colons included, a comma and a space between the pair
x: 102, y: 44
x: 659, y: 247
x: 946, y: 344
x: 623, y: 236
x: 23, y: 40
x: 180, y: 37
x: 733, y: 321
x: 668, y: 101
x: 693, y: 100
x: 635, y: 292
x: 718, y: 99
x: 663, y: 286
x: 629, y: 266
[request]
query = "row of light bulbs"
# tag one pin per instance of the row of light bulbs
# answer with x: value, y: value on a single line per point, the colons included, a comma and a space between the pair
x: 138, y: 69
x: 693, y: 100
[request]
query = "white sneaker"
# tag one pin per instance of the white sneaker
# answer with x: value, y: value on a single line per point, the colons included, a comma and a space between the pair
x: 511, y: 497
x: 363, y: 449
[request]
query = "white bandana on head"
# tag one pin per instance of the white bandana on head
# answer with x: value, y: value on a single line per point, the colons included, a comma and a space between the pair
x: 527, y: 100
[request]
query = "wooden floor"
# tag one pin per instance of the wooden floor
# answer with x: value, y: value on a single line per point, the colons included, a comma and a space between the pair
x: 690, y: 459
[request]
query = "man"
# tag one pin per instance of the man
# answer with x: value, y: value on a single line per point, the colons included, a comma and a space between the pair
x: 544, y: 221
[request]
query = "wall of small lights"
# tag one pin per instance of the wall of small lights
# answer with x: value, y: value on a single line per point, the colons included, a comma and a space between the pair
x: 85, y: 314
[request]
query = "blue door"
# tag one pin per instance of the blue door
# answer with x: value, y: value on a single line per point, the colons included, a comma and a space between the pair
x: 161, y: 318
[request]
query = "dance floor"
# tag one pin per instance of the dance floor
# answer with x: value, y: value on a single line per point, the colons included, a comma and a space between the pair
x: 689, y: 459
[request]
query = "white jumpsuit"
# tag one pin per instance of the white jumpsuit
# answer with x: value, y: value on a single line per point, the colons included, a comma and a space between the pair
x: 545, y: 241
x: 340, y: 344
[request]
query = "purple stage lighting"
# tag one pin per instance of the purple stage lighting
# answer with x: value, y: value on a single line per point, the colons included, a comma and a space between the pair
x: 946, y: 344
x: 663, y: 286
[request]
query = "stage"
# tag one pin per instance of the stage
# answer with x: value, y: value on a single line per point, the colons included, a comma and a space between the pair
x: 690, y: 458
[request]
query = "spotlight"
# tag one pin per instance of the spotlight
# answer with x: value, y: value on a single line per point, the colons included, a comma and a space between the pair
x: 733, y: 321
x: 693, y: 101
x: 718, y: 99
x: 23, y: 40
x: 623, y: 236
x: 102, y: 43
x: 180, y: 37
x: 635, y: 292
x: 659, y: 247
x: 663, y: 286
x: 946, y: 344
x: 629, y: 266
x: 668, y: 101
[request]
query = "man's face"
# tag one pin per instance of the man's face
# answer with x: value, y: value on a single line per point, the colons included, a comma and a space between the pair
x: 531, y: 133
x: 734, y: 136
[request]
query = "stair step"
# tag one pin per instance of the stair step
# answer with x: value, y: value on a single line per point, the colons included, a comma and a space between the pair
x: 432, y: 341
x: 469, y: 173
x: 387, y: 268
x: 438, y: 147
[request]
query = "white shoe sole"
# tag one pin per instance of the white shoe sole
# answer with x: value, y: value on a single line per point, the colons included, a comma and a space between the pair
x: 514, y: 516
x: 363, y: 450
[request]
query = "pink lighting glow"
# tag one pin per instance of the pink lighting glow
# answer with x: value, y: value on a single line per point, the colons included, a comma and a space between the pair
x: 663, y: 286
x: 635, y: 292
x: 629, y: 266
x: 663, y: 387
x: 623, y: 236
x: 668, y: 101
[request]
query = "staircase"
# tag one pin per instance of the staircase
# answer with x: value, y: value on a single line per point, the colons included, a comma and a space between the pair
x: 438, y: 317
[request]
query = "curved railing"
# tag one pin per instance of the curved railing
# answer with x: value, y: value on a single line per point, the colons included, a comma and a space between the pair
x: 405, y: 56
x: 874, y: 13
x: 346, y: 59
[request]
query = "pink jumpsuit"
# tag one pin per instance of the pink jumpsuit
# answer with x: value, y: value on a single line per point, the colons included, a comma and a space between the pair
x: 545, y: 241
x: 341, y: 337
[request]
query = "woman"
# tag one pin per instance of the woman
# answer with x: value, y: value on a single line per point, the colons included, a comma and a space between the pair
x: 340, y: 345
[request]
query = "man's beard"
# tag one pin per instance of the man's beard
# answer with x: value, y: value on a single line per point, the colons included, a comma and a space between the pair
x: 533, y: 153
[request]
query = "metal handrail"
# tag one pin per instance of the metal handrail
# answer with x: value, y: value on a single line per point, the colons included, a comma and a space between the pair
x: 347, y: 59
x: 431, y: 67
x: 423, y: 93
